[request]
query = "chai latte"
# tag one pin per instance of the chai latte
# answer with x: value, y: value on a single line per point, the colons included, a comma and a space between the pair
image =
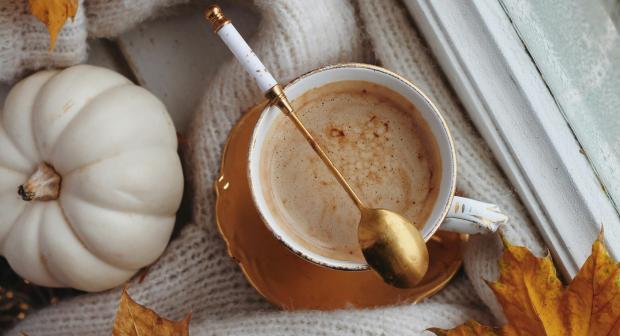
x: 379, y: 142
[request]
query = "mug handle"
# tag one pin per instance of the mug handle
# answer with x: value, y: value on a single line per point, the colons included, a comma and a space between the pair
x: 471, y: 216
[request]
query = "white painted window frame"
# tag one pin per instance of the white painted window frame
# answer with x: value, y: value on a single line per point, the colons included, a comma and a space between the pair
x: 507, y: 99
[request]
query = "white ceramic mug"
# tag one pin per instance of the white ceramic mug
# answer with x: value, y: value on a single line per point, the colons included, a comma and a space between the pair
x: 450, y: 212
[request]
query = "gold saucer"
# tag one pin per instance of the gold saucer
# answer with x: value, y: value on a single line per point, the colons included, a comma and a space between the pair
x: 291, y: 282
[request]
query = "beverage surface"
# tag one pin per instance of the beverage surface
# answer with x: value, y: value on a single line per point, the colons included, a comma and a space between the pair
x: 378, y: 141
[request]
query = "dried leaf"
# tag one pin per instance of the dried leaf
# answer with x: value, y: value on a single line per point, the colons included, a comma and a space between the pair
x: 133, y: 319
x: 529, y: 292
x: 54, y: 14
x: 592, y: 300
x: 535, y: 302
x: 468, y: 328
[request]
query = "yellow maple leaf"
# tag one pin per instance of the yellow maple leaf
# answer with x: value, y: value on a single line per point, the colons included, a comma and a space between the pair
x: 535, y: 302
x: 592, y: 300
x: 133, y: 319
x: 54, y: 14
x: 468, y: 328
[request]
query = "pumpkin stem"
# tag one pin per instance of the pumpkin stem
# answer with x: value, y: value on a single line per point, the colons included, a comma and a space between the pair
x: 43, y: 185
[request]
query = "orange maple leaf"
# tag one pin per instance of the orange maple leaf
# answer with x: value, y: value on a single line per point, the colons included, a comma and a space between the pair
x: 133, y: 319
x: 468, y: 328
x: 535, y: 302
x: 54, y: 14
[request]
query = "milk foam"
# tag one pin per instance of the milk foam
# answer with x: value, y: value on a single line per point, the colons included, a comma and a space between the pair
x: 380, y: 144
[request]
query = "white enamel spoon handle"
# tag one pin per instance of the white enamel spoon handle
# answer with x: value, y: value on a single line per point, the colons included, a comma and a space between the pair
x: 242, y: 51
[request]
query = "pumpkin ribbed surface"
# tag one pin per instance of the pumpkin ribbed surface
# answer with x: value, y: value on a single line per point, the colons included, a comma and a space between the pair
x: 114, y: 147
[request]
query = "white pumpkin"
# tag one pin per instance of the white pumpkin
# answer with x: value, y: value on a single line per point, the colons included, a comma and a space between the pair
x: 90, y: 178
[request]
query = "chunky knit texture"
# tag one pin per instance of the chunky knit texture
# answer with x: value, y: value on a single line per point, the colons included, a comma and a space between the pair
x: 195, y: 273
x: 24, y: 41
x: 110, y: 18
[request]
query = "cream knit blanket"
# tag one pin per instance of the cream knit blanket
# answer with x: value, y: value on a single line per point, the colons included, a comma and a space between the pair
x: 195, y: 272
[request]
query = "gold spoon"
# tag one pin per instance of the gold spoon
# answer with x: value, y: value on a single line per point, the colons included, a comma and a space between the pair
x: 392, y: 246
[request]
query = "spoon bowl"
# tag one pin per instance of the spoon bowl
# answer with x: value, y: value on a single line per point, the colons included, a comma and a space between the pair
x: 393, y: 247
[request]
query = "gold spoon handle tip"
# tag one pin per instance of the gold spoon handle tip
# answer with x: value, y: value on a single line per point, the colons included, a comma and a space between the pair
x: 216, y: 17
